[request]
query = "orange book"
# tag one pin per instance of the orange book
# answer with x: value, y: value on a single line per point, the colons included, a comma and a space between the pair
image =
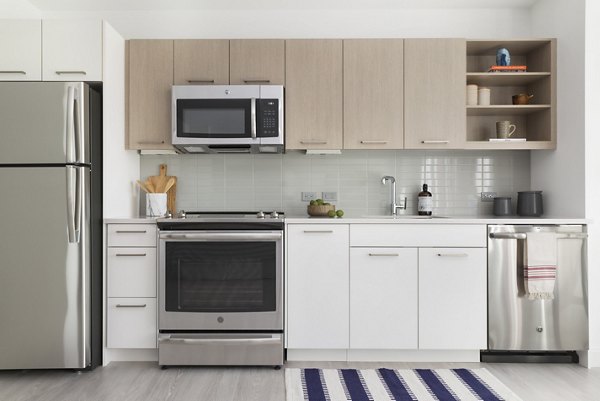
x: 508, y: 68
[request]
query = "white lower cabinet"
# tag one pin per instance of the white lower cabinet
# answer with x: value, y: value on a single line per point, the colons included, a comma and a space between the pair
x: 131, y: 270
x: 131, y: 323
x: 383, y: 298
x: 317, y: 286
x: 452, y: 298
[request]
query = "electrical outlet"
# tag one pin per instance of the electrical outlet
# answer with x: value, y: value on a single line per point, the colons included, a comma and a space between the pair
x: 308, y: 196
x: 488, y: 196
x: 330, y: 196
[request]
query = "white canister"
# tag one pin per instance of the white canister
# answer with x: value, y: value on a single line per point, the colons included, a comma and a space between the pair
x: 156, y: 205
x: 483, y: 98
x: 471, y: 95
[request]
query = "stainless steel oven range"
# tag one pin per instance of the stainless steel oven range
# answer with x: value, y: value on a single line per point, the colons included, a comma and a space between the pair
x: 221, y: 289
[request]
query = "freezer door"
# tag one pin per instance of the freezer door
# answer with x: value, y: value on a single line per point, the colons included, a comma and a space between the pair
x: 44, y: 268
x: 44, y: 123
x: 519, y: 324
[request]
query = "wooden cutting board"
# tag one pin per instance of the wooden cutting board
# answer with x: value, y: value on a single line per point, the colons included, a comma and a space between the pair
x: 159, y: 183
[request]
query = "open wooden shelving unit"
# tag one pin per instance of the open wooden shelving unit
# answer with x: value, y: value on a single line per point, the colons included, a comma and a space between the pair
x: 536, y: 121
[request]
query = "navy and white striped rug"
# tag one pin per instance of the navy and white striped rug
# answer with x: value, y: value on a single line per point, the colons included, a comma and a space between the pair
x: 395, y: 385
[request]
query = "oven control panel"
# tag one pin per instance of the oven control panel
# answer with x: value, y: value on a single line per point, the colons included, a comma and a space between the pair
x: 268, y: 118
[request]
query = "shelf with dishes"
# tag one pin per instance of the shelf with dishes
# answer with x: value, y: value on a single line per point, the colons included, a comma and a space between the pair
x: 520, y: 94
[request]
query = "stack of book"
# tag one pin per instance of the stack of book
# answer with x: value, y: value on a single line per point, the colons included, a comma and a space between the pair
x: 508, y: 68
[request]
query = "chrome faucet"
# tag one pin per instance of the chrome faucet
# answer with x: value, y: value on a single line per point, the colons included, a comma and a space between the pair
x: 395, y: 206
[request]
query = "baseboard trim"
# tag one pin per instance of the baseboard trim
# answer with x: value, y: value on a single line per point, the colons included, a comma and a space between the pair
x: 383, y: 355
x: 130, y: 355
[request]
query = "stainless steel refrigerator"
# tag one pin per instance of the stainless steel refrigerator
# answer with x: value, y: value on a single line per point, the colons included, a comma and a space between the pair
x: 50, y: 225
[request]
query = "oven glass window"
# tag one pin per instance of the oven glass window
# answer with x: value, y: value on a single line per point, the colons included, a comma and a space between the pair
x: 214, y: 118
x: 220, y: 276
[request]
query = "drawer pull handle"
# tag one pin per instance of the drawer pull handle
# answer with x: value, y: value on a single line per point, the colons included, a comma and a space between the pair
x: 201, y: 81
x: 71, y: 72
x: 257, y: 81
x: 436, y: 142
x: 453, y: 255
x: 13, y: 72
x: 313, y: 142
x: 131, y: 254
x: 384, y: 254
x: 373, y: 142
x: 131, y: 231
x: 151, y: 143
x: 318, y: 231
x: 131, y: 306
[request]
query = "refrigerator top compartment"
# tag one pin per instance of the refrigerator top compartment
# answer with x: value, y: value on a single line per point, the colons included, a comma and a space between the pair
x: 44, y: 123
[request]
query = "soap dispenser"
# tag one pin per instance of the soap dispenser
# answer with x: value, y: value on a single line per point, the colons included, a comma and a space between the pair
x: 425, y: 204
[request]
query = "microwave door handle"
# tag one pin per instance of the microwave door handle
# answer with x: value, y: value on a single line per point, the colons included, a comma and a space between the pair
x: 253, y: 118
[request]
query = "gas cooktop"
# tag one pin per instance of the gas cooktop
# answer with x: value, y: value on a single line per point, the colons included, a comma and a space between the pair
x: 222, y: 220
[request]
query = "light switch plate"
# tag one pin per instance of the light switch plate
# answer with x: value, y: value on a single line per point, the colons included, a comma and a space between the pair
x: 330, y: 196
x: 308, y: 196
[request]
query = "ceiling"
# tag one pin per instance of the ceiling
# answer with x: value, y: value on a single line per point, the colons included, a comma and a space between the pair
x: 157, y: 5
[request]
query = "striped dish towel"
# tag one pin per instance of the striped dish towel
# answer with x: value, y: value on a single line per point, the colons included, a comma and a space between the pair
x: 539, y: 271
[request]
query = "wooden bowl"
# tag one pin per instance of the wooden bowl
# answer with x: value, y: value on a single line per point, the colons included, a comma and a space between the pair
x: 319, y: 210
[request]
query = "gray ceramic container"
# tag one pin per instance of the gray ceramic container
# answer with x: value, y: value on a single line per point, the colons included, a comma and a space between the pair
x: 503, y: 206
x: 529, y: 203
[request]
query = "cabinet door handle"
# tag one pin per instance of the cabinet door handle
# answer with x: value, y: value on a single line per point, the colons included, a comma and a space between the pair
x: 131, y: 254
x: 453, y: 255
x: 318, y: 231
x: 373, y: 142
x: 201, y: 81
x: 151, y: 143
x: 384, y: 254
x: 71, y: 72
x: 131, y: 231
x: 436, y: 142
x: 13, y: 72
x: 317, y: 142
x: 131, y: 306
x: 257, y: 81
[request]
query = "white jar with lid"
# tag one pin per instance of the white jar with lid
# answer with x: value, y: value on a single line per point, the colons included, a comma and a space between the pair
x: 483, y: 96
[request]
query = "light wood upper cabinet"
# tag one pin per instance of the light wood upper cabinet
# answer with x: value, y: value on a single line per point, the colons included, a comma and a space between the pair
x: 72, y: 50
x: 21, y: 50
x: 201, y: 62
x: 257, y: 62
x: 434, y: 93
x: 150, y: 76
x: 314, y: 94
x: 373, y: 94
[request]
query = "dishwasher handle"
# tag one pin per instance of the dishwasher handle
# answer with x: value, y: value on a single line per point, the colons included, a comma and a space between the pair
x: 508, y: 236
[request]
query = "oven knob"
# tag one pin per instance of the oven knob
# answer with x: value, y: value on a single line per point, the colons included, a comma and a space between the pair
x: 260, y: 215
x: 181, y: 214
x: 220, y: 319
x: 274, y: 215
x: 227, y: 91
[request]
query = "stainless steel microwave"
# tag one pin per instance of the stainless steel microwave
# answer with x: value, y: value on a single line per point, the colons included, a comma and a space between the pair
x: 227, y: 118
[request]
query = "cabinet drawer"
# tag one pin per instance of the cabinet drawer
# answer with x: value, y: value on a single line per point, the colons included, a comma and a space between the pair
x: 132, y: 235
x: 418, y: 235
x: 131, y: 272
x: 131, y: 323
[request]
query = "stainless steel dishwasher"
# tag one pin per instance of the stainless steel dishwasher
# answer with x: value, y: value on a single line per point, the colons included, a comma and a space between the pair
x: 516, y: 323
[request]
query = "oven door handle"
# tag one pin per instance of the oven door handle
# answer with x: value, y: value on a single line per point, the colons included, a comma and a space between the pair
x: 223, y: 236
x: 212, y: 341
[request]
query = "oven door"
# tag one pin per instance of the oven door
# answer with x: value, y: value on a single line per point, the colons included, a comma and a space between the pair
x: 220, y: 280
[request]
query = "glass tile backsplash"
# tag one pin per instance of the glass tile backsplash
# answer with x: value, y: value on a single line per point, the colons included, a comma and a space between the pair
x: 269, y: 182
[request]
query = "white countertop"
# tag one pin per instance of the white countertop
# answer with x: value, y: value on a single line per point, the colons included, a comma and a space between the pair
x: 398, y: 220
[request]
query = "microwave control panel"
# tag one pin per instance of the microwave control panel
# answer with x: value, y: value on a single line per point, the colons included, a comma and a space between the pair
x: 268, y: 118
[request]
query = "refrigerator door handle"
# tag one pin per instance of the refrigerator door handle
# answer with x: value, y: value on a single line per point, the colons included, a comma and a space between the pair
x: 78, y: 125
x: 74, y: 201
x: 70, y: 135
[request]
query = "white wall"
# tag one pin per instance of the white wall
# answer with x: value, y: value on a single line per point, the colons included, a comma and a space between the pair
x: 592, y: 167
x: 121, y: 167
x: 560, y: 173
x: 323, y: 23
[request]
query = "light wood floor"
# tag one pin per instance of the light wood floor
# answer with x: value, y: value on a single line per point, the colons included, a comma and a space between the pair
x: 144, y: 381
